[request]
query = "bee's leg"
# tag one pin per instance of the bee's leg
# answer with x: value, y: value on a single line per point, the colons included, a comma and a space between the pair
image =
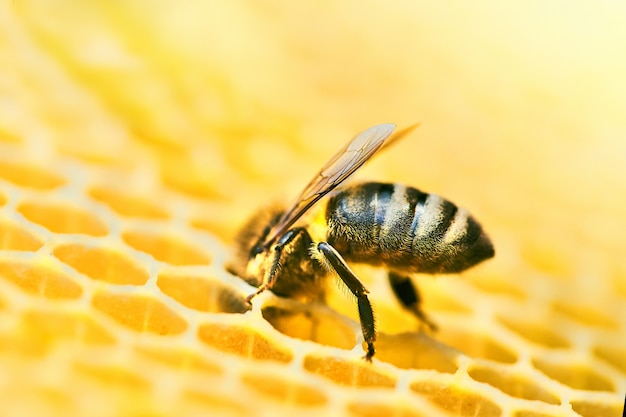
x: 333, y: 261
x: 406, y: 292
x: 278, y: 255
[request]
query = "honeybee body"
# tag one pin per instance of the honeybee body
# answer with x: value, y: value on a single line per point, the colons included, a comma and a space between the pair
x: 381, y: 224
x: 389, y: 225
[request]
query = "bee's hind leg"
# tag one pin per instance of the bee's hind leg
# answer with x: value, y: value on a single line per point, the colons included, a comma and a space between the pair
x: 333, y: 261
x: 406, y: 292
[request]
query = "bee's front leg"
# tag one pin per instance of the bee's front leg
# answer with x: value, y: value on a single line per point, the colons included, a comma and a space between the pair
x: 333, y: 261
x: 276, y: 258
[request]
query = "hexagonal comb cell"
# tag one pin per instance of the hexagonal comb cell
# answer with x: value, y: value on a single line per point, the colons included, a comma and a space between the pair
x: 597, y: 409
x: 211, y: 221
x: 528, y: 413
x: 40, y: 278
x: 217, y: 404
x: 172, y: 250
x: 498, y: 285
x: 317, y: 325
x: 242, y: 341
x: 285, y: 391
x: 587, y: 315
x: 515, y: 385
x: 415, y: 351
x: 614, y: 355
x: 475, y: 344
x: 456, y: 400
x: 123, y: 378
x: 62, y: 217
x: 548, y: 255
x: 368, y: 409
x: 15, y: 237
x: 128, y: 205
x: 31, y: 176
x: 576, y: 375
x: 47, y: 328
x: 536, y: 332
x: 140, y: 313
x: 102, y: 264
x: 355, y: 373
x: 203, y: 294
x: 189, y: 181
x: 180, y: 359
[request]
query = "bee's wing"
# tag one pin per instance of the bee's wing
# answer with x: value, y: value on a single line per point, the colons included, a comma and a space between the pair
x: 399, y: 135
x: 350, y: 158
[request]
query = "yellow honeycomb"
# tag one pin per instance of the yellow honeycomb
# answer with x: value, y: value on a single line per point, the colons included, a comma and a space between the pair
x: 135, y: 138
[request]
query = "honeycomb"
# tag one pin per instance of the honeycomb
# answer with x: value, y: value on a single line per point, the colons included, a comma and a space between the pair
x: 135, y: 138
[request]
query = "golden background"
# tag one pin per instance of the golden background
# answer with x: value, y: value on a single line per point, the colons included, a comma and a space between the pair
x: 135, y: 138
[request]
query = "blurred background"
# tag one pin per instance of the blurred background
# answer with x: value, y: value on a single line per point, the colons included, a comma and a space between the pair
x: 211, y: 110
x: 521, y: 106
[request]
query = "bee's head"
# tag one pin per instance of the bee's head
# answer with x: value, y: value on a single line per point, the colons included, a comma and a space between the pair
x: 249, y: 249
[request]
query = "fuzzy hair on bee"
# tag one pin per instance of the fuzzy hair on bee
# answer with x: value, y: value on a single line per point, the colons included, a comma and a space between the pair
x: 397, y: 227
x: 302, y: 282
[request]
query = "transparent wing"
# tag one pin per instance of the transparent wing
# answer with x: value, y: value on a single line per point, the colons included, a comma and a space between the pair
x: 399, y: 134
x: 350, y: 158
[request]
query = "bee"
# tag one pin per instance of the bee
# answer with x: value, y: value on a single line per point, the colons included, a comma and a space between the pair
x: 394, y: 226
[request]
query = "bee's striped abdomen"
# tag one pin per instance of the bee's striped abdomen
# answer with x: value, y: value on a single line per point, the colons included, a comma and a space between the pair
x: 405, y: 229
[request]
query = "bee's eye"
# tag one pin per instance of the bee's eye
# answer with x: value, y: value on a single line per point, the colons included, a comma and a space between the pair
x: 257, y: 249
